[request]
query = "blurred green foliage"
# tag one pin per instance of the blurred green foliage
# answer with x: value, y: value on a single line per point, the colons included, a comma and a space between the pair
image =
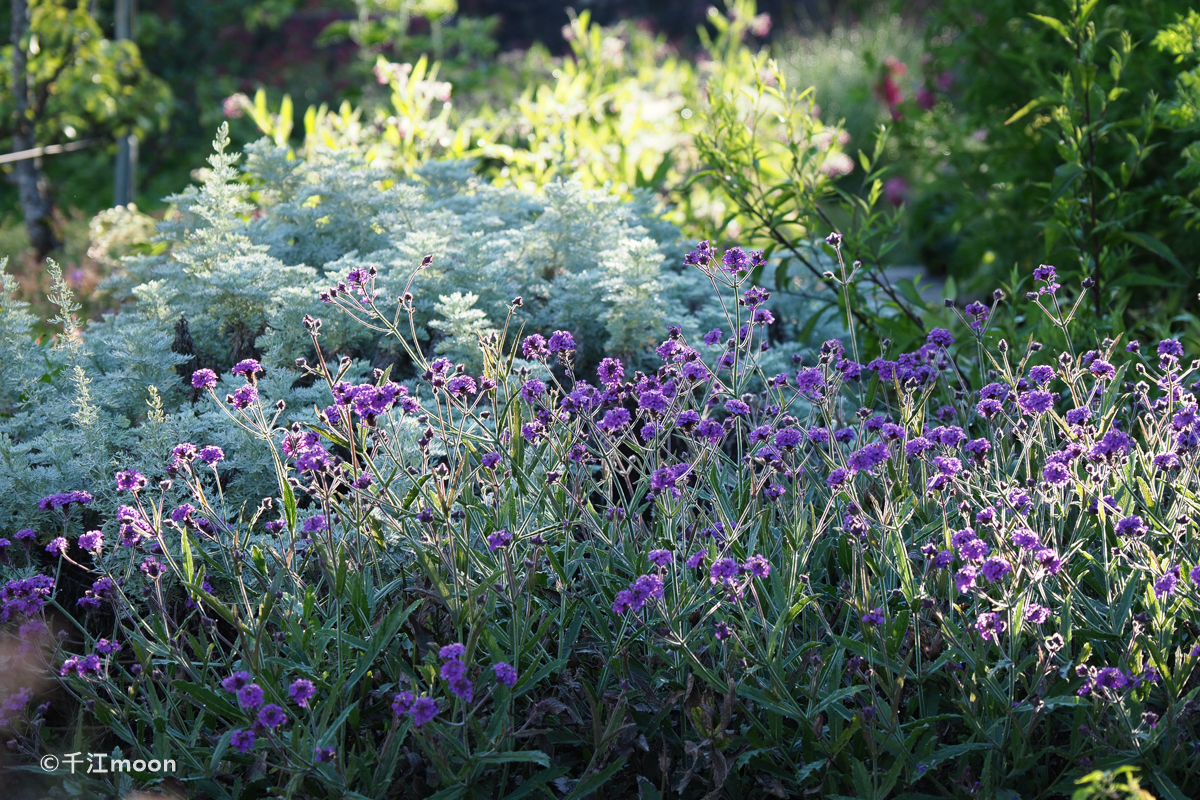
x: 621, y: 112
x: 81, y: 83
x: 1037, y: 134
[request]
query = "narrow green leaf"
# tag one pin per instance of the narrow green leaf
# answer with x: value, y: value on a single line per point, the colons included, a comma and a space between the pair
x: 1055, y: 25
x: 1025, y: 109
x: 594, y: 782
x: 1155, y: 246
x: 515, y: 756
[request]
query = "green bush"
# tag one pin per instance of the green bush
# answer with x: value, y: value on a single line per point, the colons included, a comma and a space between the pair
x: 1039, y: 133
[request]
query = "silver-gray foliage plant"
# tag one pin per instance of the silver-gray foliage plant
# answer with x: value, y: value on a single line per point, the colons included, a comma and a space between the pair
x: 248, y: 253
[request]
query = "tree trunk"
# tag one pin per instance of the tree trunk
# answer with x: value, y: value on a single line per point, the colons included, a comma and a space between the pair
x: 31, y: 183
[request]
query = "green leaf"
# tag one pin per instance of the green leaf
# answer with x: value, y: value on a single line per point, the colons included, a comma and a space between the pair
x: 536, y: 782
x: 289, y: 505
x: 594, y: 782
x: 956, y: 750
x: 189, y: 567
x: 1155, y: 246
x: 766, y: 701
x: 414, y: 492
x: 1064, y: 176
x: 213, y: 603
x: 210, y: 700
x: 1054, y: 24
x: 1166, y: 786
x: 219, y: 751
x: 333, y: 731
x: 383, y: 636
x: 531, y: 679
x: 1025, y: 109
x: 515, y: 756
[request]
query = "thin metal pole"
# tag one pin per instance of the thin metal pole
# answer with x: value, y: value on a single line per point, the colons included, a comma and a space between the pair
x: 125, y: 184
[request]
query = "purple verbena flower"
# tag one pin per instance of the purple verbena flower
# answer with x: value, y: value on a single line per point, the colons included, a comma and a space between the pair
x: 561, y: 342
x: 1078, y: 416
x: 1026, y: 539
x: 1165, y: 586
x: 250, y: 696
x: 506, y: 674
x: 130, y: 481
x: 1041, y: 375
x: 461, y: 386
x: 92, y: 542
x: 454, y: 672
x: 868, y: 458
x: 610, y: 371
x: 532, y: 389
x: 736, y: 407
x: 499, y: 539
x: 964, y: 579
x: 1170, y: 350
x: 301, y: 691
x: 940, y: 337
x: 615, y: 419
x: 989, y: 626
x: 994, y: 569
x: 402, y: 703
x: 662, y: 558
x: 1037, y: 614
x: 874, y: 617
x: 204, y: 379
x: 736, y: 261
x: 534, y: 347
x: 1131, y: 526
x: 247, y: 367
x: 1035, y: 402
x: 242, y: 741
x: 63, y: 501
x: 758, y: 566
x: 271, y: 716
x: 243, y: 398
x: 456, y: 650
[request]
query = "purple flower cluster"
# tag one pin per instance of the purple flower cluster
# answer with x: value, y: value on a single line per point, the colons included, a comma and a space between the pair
x: 301, y: 691
x: 421, y: 710
x: 641, y: 591
x: 454, y: 672
x: 506, y: 674
x: 666, y: 479
x: 369, y: 401
x: 24, y: 596
x: 64, y: 501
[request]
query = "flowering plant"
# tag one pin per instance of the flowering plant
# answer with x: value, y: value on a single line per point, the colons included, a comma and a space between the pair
x: 952, y: 571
